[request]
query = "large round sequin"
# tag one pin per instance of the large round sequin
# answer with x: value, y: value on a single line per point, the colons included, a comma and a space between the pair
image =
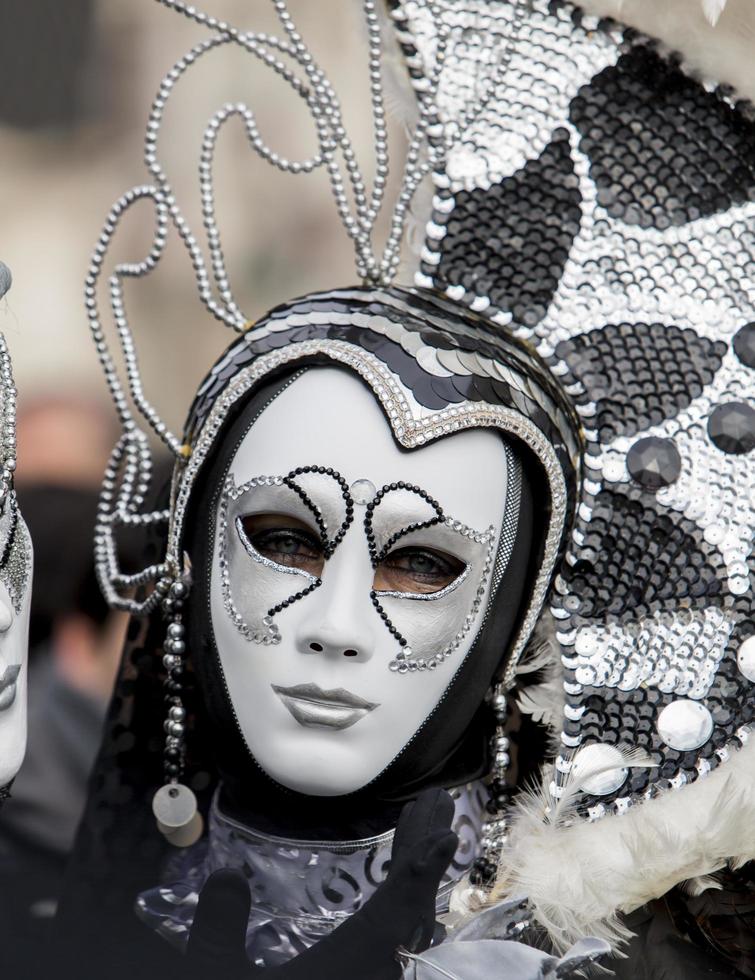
x: 598, y: 769
x: 744, y: 344
x: 746, y: 658
x: 654, y: 463
x: 731, y: 427
x: 685, y: 725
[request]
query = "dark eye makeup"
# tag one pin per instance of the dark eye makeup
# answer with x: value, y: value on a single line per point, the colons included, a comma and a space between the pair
x: 417, y: 570
x: 289, y: 542
x: 285, y: 540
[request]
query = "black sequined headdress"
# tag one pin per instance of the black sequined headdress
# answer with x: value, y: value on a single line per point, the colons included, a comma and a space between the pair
x: 598, y: 204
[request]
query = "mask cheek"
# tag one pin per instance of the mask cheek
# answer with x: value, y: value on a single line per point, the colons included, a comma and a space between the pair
x: 252, y: 588
x: 435, y: 627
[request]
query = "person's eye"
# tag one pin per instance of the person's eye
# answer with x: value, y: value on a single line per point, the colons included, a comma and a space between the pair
x: 284, y: 540
x: 418, y: 570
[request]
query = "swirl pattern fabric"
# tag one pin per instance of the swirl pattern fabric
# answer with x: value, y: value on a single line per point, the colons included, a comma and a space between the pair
x: 301, y: 890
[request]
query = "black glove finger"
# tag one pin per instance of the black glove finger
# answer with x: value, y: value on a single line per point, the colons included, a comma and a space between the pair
x: 431, y: 857
x: 432, y: 811
x: 217, y: 942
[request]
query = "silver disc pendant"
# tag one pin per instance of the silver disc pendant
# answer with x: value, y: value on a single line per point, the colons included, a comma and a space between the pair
x: 178, y: 819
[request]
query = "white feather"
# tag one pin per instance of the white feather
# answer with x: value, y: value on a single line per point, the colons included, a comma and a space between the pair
x: 579, y: 876
x: 703, y: 883
x: 545, y: 700
x: 713, y: 10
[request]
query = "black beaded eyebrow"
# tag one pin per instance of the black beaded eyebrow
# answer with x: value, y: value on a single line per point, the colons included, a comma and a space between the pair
x: 329, y: 546
x: 377, y: 557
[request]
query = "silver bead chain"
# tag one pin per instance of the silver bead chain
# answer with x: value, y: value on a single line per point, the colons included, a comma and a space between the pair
x: 8, y: 416
x: 359, y: 210
x: 495, y: 827
x: 127, y: 479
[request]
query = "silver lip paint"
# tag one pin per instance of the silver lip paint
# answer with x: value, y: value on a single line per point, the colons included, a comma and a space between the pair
x: 8, y: 685
x: 311, y: 705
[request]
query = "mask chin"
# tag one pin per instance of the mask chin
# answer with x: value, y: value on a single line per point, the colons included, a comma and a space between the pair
x: 443, y: 738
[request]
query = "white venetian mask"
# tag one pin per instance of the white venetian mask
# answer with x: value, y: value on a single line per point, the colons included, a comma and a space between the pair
x: 349, y: 579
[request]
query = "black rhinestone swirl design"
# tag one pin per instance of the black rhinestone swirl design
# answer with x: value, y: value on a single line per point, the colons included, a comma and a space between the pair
x: 329, y: 545
x: 376, y: 557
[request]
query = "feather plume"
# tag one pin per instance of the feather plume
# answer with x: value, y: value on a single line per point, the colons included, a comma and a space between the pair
x: 713, y: 10
x: 702, y: 883
x: 580, y: 876
x: 544, y: 701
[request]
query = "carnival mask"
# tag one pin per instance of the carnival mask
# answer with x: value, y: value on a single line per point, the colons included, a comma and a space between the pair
x: 15, y: 597
x: 350, y: 578
x: 15, y: 580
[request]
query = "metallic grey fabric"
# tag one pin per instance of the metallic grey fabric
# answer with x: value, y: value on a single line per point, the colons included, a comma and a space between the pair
x: 301, y: 890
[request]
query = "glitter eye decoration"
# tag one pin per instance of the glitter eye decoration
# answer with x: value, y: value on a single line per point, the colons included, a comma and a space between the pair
x: 15, y: 560
x: 418, y: 571
x: 288, y: 526
x: 416, y: 552
x: 283, y: 540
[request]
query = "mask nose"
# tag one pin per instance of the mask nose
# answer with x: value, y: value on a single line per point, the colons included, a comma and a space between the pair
x: 332, y: 642
x: 340, y: 621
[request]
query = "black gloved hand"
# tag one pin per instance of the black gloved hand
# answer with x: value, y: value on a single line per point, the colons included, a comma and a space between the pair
x: 400, y: 913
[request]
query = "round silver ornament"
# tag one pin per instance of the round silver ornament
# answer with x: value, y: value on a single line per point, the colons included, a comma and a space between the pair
x: 685, y: 725
x: 598, y: 769
x: 746, y: 658
x: 174, y: 805
x: 177, y: 816
x: 363, y: 491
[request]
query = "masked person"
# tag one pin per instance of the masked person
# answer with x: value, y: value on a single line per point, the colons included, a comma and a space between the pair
x: 15, y: 583
x: 380, y: 490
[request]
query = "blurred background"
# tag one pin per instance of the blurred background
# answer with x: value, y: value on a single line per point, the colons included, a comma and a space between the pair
x: 76, y: 81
